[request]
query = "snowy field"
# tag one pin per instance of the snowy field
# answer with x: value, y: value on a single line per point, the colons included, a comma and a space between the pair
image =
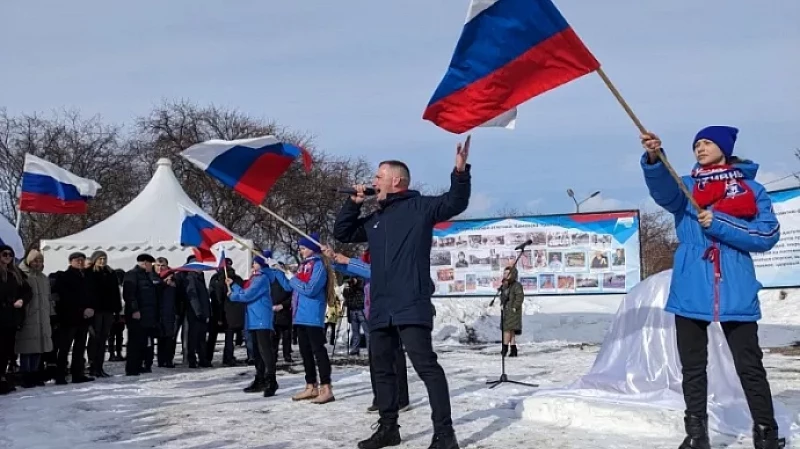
x: 203, y: 409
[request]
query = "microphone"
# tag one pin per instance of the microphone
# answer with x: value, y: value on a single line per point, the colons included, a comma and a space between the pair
x: 522, y: 246
x: 369, y: 191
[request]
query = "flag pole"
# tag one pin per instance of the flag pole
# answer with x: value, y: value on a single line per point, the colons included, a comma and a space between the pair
x: 18, y: 224
x: 638, y: 123
x: 291, y: 226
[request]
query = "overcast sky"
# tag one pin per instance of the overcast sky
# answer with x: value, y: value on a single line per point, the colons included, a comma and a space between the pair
x: 358, y: 74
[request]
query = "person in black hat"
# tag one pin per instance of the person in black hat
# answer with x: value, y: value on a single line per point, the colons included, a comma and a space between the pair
x: 140, y: 289
x: 75, y: 310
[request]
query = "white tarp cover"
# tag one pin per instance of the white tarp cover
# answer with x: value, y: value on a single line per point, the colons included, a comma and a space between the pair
x: 638, y: 364
x: 150, y: 223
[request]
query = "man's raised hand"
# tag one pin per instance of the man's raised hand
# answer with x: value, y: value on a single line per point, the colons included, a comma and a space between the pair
x: 462, y: 153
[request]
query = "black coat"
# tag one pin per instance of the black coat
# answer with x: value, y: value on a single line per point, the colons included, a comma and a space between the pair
x: 75, y: 295
x: 400, y: 234
x: 105, y: 290
x: 12, y: 290
x: 283, y: 298
x: 166, y: 310
x: 193, y: 293
x: 230, y: 313
x: 354, y: 295
x: 140, y: 290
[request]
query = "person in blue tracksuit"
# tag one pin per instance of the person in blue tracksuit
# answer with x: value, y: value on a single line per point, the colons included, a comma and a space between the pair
x: 258, y: 323
x: 360, y: 268
x: 312, y: 291
x: 713, y: 275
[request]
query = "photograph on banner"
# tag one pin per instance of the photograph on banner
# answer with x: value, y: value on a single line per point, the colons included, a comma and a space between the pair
x: 574, y: 253
x: 780, y: 267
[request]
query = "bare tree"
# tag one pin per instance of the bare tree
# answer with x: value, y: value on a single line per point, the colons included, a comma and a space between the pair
x: 86, y: 147
x: 657, y: 235
x: 304, y: 199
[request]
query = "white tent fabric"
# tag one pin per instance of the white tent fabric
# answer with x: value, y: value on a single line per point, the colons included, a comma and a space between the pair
x: 638, y: 364
x: 9, y: 236
x: 150, y: 223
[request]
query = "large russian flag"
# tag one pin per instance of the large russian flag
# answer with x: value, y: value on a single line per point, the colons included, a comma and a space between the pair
x: 201, y: 234
x: 50, y: 189
x: 249, y: 166
x: 509, y: 52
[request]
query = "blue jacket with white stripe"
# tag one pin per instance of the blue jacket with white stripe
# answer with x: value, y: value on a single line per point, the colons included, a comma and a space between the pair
x: 725, y: 289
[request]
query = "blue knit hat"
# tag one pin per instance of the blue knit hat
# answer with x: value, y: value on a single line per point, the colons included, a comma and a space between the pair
x: 262, y: 259
x: 723, y: 136
x: 309, y: 244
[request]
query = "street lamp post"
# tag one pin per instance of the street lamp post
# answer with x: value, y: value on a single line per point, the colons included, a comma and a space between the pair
x: 571, y: 194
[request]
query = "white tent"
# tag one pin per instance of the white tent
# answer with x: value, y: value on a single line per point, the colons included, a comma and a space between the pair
x: 638, y: 365
x: 150, y: 223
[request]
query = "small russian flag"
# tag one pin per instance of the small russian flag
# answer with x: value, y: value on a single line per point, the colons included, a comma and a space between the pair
x: 202, y: 233
x: 50, y: 189
x: 249, y: 166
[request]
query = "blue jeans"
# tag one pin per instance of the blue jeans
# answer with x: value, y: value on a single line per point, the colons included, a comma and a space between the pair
x: 357, y: 323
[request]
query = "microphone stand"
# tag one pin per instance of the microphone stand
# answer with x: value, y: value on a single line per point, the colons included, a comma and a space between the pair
x: 503, y: 377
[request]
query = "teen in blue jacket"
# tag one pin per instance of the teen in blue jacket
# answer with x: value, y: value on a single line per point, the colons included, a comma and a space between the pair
x: 258, y: 323
x: 713, y: 275
x: 310, y: 298
x: 359, y: 268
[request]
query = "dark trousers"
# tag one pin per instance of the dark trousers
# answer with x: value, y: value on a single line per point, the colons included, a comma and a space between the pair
x: 29, y: 363
x: 7, y: 340
x: 312, y: 348
x: 330, y: 329
x: 101, y: 324
x: 140, y: 347
x: 196, y: 344
x: 180, y: 325
x: 742, y: 340
x: 402, y: 378
x: 283, y: 334
x: 115, y: 338
x: 72, y: 337
x: 384, y: 345
x: 265, y: 356
x: 211, y: 344
x: 166, y: 351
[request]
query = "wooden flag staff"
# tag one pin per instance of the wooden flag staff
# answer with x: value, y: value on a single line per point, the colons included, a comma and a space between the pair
x: 291, y: 226
x: 642, y: 130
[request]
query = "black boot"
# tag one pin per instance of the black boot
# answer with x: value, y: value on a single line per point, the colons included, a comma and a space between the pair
x: 271, y: 388
x: 513, y: 351
x: 446, y: 440
x: 257, y: 386
x: 504, y: 351
x: 27, y: 380
x: 696, y: 433
x: 766, y: 437
x: 385, y: 435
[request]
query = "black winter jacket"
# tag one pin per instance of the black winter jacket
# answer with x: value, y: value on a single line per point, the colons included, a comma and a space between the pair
x: 10, y: 292
x: 399, y: 234
x: 230, y: 313
x: 75, y: 295
x: 141, y: 290
x: 105, y: 290
x: 283, y: 298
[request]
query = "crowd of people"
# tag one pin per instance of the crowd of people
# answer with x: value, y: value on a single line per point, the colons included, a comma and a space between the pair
x: 85, y: 309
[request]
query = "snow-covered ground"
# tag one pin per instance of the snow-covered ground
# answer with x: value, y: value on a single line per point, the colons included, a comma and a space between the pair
x: 204, y: 409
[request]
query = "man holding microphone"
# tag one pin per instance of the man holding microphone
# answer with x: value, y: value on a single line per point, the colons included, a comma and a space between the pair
x: 399, y: 234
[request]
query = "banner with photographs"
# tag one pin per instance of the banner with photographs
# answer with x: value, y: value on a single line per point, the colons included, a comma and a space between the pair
x: 578, y: 253
x: 780, y: 267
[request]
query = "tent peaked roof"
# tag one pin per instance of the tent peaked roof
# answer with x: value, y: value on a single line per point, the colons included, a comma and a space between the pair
x: 152, y: 219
